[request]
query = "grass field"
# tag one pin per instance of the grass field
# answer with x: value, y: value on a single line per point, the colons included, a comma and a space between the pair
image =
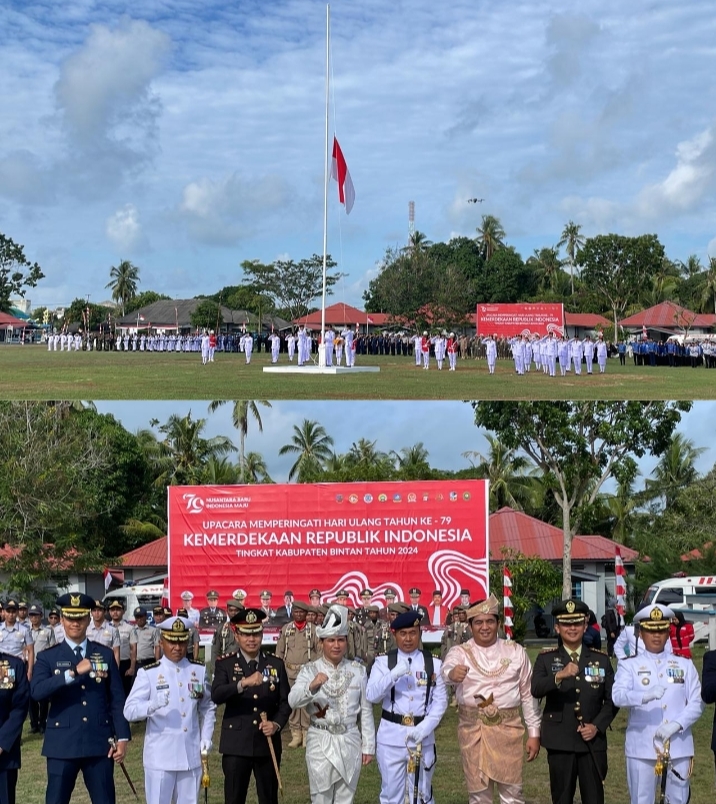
x: 31, y: 372
x: 448, y: 781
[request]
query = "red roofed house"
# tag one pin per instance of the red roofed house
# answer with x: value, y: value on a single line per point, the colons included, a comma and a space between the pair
x: 340, y: 314
x: 669, y: 318
x: 579, y: 325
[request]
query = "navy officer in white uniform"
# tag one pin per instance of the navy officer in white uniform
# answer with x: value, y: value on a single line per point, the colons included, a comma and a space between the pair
x: 409, y: 684
x: 663, y: 695
x: 173, y: 697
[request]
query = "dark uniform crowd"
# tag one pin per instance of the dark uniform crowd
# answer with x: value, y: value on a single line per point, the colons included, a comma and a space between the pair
x: 87, y: 673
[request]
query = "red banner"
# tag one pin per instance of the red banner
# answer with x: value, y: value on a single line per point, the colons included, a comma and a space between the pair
x: 508, y: 320
x: 330, y: 536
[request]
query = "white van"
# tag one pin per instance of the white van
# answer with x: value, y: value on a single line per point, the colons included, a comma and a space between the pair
x: 147, y: 594
x: 681, y: 594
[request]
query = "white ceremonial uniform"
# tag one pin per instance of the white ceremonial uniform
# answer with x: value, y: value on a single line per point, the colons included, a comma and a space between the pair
x: 549, y: 353
x: 563, y: 353
x: 577, y: 352
x: 680, y: 703
x: 418, y: 341
x: 248, y: 342
x: 204, y: 348
x: 409, y: 700
x: 291, y: 344
x: 175, y: 731
x: 275, y: 347
x: 328, y: 336
x: 589, y: 354
x: 626, y: 644
x: 601, y: 356
x: 347, y: 336
x: 335, y: 743
x: 491, y: 353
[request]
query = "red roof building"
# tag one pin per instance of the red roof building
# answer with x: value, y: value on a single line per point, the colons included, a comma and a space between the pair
x: 669, y: 318
x: 341, y: 315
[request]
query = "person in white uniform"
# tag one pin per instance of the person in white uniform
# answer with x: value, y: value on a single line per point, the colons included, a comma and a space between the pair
x: 172, y: 696
x: 341, y: 736
x: 347, y: 335
x: 275, y: 346
x: 328, y: 337
x: 248, y: 343
x: 205, y: 348
x: 410, y: 686
x: 491, y: 352
x: 662, y: 692
x: 577, y: 352
x: 291, y: 346
x: 601, y: 354
x: 628, y: 643
x: 589, y: 353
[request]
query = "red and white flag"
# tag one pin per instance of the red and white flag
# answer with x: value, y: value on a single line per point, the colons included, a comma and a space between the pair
x: 620, y: 587
x: 507, y: 601
x: 339, y: 171
x: 165, y: 593
x: 107, y: 579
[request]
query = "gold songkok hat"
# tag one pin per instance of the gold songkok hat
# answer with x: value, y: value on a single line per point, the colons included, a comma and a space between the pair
x: 489, y: 606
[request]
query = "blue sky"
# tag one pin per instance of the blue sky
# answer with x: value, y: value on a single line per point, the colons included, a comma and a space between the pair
x: 188, y: 136
x: 445, y: 428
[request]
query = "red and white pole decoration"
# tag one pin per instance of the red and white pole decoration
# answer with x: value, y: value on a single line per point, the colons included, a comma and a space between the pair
x: 165, y: 593
x: 620, y: 588
x: 507, y: 601
x: 107, y: 579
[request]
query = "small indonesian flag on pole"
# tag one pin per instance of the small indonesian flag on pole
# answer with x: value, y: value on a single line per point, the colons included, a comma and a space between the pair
x: 619, y: 582
x: 107, y: 579
x: 339, y: 171
x: 165, y: 593
x: 507, y: 601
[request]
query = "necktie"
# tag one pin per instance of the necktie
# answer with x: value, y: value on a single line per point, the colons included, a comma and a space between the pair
x: 253, y: 666
x: 78, y: 654
x: 574, y: 656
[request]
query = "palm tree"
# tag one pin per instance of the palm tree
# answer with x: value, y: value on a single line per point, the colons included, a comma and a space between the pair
x: 312, y: 445
x: 255, y: 468
x: 180, y: 458
x: 548, y: 265
x: 574, y: 241
x: 220, y: 472
x: 363, y: 452
x: 676, y: 469
x: 124, y: 279
x: 619, y: 509
x: 691, y: 267
x: 412, y: 462
x: 510, y: 484
x: 242, y: 411
x: 417, y: 242
x: 709, y: 291
x: 491, y: 236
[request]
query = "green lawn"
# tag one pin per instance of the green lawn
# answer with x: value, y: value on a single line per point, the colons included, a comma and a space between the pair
x: 448, y: 780
x: 31, y: 372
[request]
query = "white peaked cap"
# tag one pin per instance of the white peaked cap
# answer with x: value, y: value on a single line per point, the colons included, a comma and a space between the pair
x: 335, y: 623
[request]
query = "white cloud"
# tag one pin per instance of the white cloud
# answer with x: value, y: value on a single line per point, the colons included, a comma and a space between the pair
x: 124, y: 229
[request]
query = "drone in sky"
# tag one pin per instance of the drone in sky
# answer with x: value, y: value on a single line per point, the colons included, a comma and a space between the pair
x: 475, y: 200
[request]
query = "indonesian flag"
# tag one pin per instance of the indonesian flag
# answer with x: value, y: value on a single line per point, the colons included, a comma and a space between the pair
x: 141, y: 318
x: 165, y: 593
x: 619, y: 582
x: 339, y: 171
x: 507, y: 601
x: 107, y: 579
x: 644, y: 333
x: 369, y: 319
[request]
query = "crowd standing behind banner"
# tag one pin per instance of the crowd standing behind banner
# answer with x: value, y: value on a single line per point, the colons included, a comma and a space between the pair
x: 331, y: 661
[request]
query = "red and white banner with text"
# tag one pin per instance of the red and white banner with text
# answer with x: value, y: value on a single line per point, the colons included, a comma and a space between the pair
x: 331, y: 536
x: 509, y: 320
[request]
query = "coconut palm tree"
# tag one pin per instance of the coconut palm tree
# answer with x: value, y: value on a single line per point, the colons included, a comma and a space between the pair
x: 691, y: 267
x: 220, y: 472
x: 709, y: 292
x: 619, y: 510
x: 491, y: 236
x: 123, y: 282
x: 417, y: 242
x: 312, y: 445
x: 573, y: 241
x: 511, y: 484
x: 412, y: 462
x: 180, y: 457
x: 676, y: 469
x: 242, y: 412
x: 255, y: 470
x: 548, y: 265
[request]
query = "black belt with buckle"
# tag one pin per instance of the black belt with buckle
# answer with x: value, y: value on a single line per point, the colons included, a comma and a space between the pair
x: 403, y: 720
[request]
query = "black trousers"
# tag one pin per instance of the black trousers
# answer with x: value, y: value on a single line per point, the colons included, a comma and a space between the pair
x: 565, y: 767
x: 127, y: 681
x: 98, y: 773
x: 237, y: 776
x: 38, y: 714
x: 8, y: 783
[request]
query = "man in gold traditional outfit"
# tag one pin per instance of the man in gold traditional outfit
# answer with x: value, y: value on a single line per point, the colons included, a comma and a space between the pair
x: 492, y: 679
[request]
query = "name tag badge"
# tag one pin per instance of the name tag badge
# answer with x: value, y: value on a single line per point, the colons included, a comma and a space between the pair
x: 557, y: 666
x: 162, y: 687
x: 66, y: 665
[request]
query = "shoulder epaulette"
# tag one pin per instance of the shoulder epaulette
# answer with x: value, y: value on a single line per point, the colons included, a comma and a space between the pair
x: 52, y: 647
x: 152, y: 665
x: 197, y: 661
x: 599, y: 650
x: 549, y: 650
x: 226, y: 655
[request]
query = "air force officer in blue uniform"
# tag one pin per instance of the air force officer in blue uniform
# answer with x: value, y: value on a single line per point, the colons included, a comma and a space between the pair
x: 82, y: 683
x: 14, y: 703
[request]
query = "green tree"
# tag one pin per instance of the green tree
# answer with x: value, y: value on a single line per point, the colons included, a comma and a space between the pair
x: 143, y: 299
x: 548, y: 267
x: 206, y: 315
x: 708, y: 295
x: 619, y: 267
x: 291, y: 286
x: 535, y: 582
x: 312, y: 445
x: 578, y: 446
x: 490, y: 236
x: 255, y: 469
x: 242, y: 412
x: 412, y: 462
x: 675, y: 470
x: 506, y: 278
x: 80, y: 309
x: 16, y: 272
x: 123, y: 282
x: 418, y: 241
x: 572, y: 241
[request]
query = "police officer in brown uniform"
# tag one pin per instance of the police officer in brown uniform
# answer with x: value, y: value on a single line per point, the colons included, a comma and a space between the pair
x: 362, y: 617
x: 576, y: 682
x: 224, y: 640
x: 297, y: 645
x: 251, y: 683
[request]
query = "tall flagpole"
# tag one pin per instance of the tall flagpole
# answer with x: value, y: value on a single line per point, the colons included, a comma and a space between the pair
x: 322, y: 345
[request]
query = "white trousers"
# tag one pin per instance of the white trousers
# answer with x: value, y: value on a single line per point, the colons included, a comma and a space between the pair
x: 491, y: 364
x: 577, y: 364
x: 426, y: 360
x: 172, y: 787
x: 509, y: 794
x: 393, y: 765
x: 643, y: 783
x: 339, y: 793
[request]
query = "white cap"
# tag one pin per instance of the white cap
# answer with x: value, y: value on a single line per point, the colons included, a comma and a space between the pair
x: 335, y: 623
x: 425, y: 333
x: 187, y: 596
x: 239, y: 594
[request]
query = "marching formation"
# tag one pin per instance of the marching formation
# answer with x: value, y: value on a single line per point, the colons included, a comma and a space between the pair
x: 332, y: 664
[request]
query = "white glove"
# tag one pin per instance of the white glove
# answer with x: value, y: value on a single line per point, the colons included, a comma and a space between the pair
x: 159, y: 702
x: 416, y: 735
x: 654, y: 694
x: 666, y: 731
x: 402, y: 668
x: 205, y: 746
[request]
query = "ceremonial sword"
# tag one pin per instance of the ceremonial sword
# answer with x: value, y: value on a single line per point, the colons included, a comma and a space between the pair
x: 113, y: 742
x: 264, y: 719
